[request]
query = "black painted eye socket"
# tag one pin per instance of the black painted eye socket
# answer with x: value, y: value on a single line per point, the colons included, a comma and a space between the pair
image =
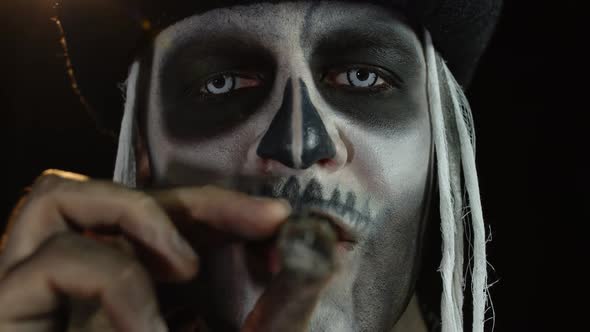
x: 225, y: 83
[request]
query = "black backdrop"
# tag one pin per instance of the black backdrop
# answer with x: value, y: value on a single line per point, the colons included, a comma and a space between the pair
x: 530, y: 120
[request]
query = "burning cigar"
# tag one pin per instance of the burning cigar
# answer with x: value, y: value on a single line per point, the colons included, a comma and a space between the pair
x: 306, y: 246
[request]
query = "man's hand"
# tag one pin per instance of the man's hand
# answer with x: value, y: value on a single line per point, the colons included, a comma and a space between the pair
x: 53, y: 252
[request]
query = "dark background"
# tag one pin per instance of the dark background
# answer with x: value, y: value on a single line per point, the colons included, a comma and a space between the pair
x: 529, y: 106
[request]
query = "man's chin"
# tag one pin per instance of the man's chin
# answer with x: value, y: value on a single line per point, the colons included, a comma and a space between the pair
x: 235, y: 276
x: 287, y: 272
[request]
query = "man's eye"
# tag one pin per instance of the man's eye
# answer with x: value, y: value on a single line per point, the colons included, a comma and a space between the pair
x: 226, y: 83
x: 356, y: 78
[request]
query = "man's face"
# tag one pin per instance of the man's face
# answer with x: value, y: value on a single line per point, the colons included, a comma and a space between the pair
x: 329, y: 97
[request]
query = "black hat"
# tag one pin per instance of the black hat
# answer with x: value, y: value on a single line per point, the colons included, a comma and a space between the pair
x: 103, y: 37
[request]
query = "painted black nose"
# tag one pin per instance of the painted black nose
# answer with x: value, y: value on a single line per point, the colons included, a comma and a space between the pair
x: 278, y: 142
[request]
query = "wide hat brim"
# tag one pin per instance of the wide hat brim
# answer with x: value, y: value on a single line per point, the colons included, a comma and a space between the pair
x: 103, y: 37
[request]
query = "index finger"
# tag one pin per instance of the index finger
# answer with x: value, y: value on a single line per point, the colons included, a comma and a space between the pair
x: 225, y: 210
x: 60, y: 202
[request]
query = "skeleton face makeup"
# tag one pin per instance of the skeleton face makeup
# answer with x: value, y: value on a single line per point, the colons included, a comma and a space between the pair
x: 331, y: 98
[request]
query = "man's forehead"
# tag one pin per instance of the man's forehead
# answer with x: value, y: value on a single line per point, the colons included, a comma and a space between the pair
x: 294, y: 24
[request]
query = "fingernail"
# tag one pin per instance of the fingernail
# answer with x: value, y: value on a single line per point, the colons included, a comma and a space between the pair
x: 182, y: 247
x: 158, y: 325
x: 285, y: 203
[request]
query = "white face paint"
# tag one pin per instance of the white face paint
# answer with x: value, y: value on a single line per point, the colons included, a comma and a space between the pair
x: 330, y: 97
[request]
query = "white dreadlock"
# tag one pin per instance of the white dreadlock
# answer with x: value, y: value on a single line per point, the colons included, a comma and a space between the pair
x: 455, y: 151
x: 125, y: 163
